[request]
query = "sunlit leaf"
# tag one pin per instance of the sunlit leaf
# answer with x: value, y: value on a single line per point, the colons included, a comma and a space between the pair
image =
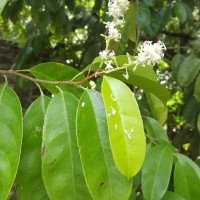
x: 29, y: 181
x: 58, y: 72
x: 125, y: 126
x: 103, y: 178
x: 186, y: 178
x: 156, y: 172
x: 61, y: 166
x: 11, y: 138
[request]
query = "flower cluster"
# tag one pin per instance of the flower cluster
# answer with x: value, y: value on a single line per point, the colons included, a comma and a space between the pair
x: 116, y: 9
x: 150, y: 54
x: 107, y: 56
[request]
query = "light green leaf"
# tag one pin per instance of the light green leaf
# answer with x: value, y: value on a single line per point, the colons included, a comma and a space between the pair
x: 58, y: 72
x: 158, y: 109
x: 29, y: 181
x: 11, y: 138
x: 197, y: 89
x: 2, y: 5
x: 155, y: 130
x: 125, y: 126
x: 180, y: 11
x: 172, y: 196
x: 156, y: 172
x: 188, y: 70
x: 103, y: 178
x: 61, y: 166
x: 186, y: 178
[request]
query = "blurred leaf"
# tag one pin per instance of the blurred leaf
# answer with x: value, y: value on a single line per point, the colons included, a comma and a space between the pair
x: 156, y: 172
x: 198, y: 123
x: 92, y: 129
x: 197, y: 89
x: 164, y: 16
x: 53, y: 5
x: 29, y: 181
x: 180, y: 11
x: 191, y: 110
x: 144, y: 15
x: 176, y: 62
x: 2, y: 4
x: 158, y: 109
x: 172, y: 196
x: 196, y: 43
x: 155, y: 130
x: 188, y: 70
x: 11, y: 138
x: 150, y: 2
x: 61, y: 166
x: 58, y: 72
x: 125, y: 126
x: 186, y: 177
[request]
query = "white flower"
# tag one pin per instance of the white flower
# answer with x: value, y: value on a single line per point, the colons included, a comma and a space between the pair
x: 108, y: 65
x: 150, y: 54
x: 106, y: 54
x: 113, y: 33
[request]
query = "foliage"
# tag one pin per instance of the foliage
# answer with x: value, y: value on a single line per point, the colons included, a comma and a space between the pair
x: 95, y: 133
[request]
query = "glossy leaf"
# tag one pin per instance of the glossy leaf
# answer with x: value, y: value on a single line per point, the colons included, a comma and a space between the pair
x: 144, y: 15
x: 124, y: 126
x: 186, y: 178
x: 158, y: 109
x: 188, y: 70
x: 2, y: 5
x: 11, y: 138
x: 172, y: 196
x: 61, y: 166
x: 57, y: 72
x: 29, y: 181
x: 103, y: 178
x: 156, y: 172
x: 197, y: 89
x: 155, y: 130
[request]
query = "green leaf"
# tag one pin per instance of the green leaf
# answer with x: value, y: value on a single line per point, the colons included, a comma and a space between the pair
x: 95, y: 153
x: 158, y: 109
x: 198, y: 123
x: 196, y: 43
x: 58, y: 72
x: 2, y: 5
x: 11, y: 138
x: 180, y: 11
x: 155, y: 130
x: 172, y: 196
x: 186, y: 178
x: 29, y: 181
x: 144, y: 83
x: 124, y: 126
x: 61, y: 166
x: 156, y: 172
x: 197, y: 89
x: 176, y: 62
x: 144, y: 15
x: 188, y: 70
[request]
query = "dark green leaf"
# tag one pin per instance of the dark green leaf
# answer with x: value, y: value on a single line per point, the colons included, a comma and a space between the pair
x: 2, y: 4
x: 180, y: 11
x: 186, y: 178
x: 58, y: 72
x: 95, y: 153
x: 144, y: 15
x: 11, y: 138
x: 124, y: 126
x: 197, y: 89
x: 29, y: 181
x: 156, y: 172
x: 176, y: 62
x: 155, y: 130
x: 61, y: 166
x: 198, y: 122
x: 188, y: 70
